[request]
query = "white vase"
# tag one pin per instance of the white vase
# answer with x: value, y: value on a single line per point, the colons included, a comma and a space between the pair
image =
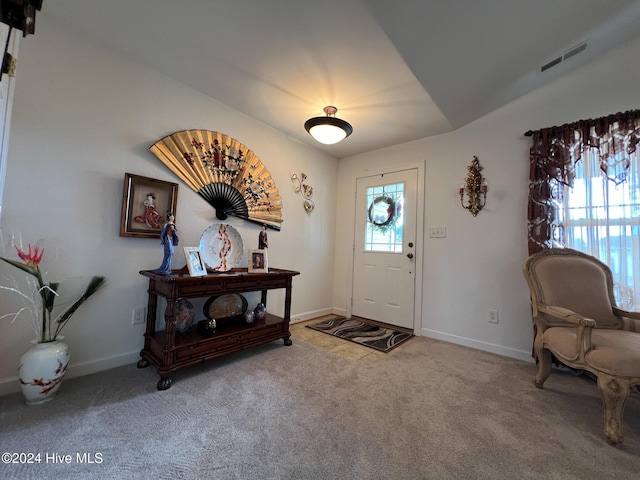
x: 42, y: 369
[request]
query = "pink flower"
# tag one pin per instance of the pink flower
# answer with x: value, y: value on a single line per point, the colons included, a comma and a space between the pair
x: 32, y: 260
x: 30, y: 264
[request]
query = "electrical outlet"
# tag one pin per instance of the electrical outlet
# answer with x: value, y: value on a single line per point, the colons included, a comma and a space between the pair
x: 439, y: 231
x: 493, y: 316
x: 138, y: 316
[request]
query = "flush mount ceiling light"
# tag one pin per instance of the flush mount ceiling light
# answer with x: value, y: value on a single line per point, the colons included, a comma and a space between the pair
x: 329, y: 129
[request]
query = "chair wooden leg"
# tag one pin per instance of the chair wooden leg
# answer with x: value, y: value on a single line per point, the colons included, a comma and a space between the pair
x: 615, y: 392
x: 544, y: 364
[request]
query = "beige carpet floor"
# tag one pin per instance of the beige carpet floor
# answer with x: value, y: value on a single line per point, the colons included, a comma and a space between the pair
x: 427, y: 410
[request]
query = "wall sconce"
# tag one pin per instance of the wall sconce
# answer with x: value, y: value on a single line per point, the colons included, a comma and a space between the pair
x: 475, y: 186
x: 305, y: 190
x: 329, y: 129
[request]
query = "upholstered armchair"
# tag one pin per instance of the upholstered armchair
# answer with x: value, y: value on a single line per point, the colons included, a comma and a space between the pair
x: 576, y: 320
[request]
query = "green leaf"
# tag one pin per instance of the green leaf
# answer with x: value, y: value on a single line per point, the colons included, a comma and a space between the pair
x: 94, y: 285
x: 26, y: 268
x: 49, y: 295
x: 22, y: 266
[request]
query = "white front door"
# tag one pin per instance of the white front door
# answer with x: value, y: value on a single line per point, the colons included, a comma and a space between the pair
x: 385, y: 251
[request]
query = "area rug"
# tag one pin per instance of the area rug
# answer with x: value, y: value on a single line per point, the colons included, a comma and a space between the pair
x: 366, y: 334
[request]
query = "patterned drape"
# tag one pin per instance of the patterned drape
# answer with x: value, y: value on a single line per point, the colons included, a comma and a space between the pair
x: 553, y: 155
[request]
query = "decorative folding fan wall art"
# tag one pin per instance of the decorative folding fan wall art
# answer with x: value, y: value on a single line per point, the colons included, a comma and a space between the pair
x: 229, y: 176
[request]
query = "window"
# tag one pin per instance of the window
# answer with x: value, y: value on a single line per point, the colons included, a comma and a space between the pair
x: 602, y: 218
x: 584, y: 193
x: 384, y: 218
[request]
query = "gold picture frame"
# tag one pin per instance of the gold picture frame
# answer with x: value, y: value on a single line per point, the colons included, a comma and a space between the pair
x: 258, y: 261
x: 145, y: 205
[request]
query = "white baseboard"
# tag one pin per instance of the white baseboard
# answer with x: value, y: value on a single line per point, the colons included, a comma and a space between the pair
x: 12, y: 385
x: 302, y: 317
x: 478, y: 345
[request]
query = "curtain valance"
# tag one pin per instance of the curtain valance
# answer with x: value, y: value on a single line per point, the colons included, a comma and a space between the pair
x: 553, y: 155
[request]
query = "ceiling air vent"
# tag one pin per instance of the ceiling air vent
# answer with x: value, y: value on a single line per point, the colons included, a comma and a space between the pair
x: 552, y: 63
x: 567, y: 55
x: 574, y: 51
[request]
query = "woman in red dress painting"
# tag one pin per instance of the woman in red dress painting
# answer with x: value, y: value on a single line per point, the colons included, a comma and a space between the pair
x: 151, y: 217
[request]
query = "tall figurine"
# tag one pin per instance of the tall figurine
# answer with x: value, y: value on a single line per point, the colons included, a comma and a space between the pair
x: 169, y: 239
x: 263, y: 242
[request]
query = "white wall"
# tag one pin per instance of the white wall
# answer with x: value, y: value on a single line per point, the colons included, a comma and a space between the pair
x: 478, y: 266
x: 82, y: 117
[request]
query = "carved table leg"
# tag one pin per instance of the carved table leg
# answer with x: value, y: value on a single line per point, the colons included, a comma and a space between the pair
x: 164, y: 383
x: 288, y: 342
x: 143, y: 363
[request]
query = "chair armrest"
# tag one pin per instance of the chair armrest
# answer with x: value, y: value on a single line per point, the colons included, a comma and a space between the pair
x: 567, y: 315
x: 625, y: 313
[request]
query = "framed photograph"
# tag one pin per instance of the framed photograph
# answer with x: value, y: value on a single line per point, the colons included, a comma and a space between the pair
x: 258, y: 261
x: 195, y: 263
x: 145, y: 205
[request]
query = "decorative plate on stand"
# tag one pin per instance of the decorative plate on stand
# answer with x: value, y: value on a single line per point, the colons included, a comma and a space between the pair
x: 221, y: 247
x: 224, y: 306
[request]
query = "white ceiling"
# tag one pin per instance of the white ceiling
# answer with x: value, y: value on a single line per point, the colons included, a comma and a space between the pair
x: 398, y: 70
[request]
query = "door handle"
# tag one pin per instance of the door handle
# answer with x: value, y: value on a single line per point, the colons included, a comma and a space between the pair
x: 409, y: 255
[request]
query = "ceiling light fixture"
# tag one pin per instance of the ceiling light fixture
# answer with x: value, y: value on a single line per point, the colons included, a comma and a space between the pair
x: 329, y: 129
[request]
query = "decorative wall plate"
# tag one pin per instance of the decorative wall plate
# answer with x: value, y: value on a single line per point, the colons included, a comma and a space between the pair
x: 224, y: 172
x: 224, y: 306
x: 221, y: 247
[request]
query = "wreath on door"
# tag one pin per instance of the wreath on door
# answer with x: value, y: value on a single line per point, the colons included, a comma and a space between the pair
x: 383, y: 213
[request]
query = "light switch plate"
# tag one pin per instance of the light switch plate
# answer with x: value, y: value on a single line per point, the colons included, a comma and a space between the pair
x: 439, y: 231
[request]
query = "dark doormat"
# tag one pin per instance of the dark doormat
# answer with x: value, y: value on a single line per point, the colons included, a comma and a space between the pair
x: 370, y: 335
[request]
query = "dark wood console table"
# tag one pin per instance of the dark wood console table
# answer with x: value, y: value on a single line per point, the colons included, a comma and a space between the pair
x: 169, y: 352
